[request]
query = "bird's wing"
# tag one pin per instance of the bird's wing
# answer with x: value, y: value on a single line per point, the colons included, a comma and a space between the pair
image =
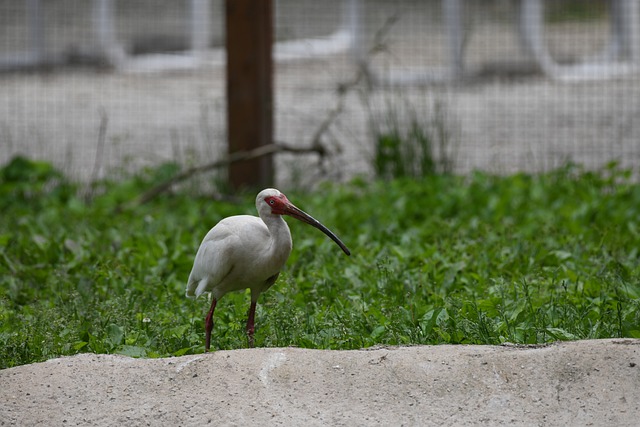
x: 227, y: 244
x: 212, y: 262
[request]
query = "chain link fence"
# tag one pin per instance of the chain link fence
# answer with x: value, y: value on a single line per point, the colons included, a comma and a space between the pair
x: 487, y: 87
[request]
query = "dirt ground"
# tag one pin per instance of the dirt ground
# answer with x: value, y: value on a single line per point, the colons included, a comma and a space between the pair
x: 570, y: 384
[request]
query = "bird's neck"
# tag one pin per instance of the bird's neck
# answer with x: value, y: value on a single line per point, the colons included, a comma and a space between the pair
x: 279, y: 231
x: 276, y: 225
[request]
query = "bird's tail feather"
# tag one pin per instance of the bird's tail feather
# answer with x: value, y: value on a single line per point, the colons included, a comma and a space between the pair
x: 196, y: 288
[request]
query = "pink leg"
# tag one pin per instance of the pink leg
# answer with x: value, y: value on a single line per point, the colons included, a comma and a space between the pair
x: 250, y: 323
x: 208, y: 324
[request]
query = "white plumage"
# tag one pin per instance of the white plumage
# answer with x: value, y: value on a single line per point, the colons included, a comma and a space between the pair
x: 245, y: 251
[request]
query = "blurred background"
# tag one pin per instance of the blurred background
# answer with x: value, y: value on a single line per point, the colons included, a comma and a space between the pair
x: 404, y: 87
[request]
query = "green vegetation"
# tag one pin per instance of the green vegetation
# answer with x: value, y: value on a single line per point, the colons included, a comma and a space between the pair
x: 575, y: 10
x: 422, y: 148
x: 439, y: 259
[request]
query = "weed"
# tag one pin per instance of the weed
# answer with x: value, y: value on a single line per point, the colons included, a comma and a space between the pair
x: 441, y: 259
x: 420, y: 148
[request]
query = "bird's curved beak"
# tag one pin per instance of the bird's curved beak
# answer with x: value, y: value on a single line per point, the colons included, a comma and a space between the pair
x: 291, y: 210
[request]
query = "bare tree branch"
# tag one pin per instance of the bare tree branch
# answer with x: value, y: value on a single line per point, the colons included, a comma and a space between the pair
x: 362, y: 74
x: 98, y: 162
x: 239, y: 156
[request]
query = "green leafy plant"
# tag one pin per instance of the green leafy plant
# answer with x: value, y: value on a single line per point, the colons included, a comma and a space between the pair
x: 419, y: 148
x: 478, y: 259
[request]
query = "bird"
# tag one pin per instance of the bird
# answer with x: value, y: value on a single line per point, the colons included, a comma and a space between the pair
x: 245, y: 251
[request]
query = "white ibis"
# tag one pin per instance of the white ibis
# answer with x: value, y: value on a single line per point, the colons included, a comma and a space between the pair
x: 245, y: 251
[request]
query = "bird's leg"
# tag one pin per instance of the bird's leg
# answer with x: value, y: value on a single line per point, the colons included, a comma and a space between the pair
x: 208, y: 324
x: 250, y: 323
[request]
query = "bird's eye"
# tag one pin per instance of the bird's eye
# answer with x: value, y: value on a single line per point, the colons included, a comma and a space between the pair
x: 272, y: 202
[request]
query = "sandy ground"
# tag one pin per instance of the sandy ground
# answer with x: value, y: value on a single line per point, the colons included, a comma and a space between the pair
x: 573, y: 383
x: 499, y: 126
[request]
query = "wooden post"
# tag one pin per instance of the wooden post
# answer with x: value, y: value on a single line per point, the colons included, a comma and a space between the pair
x: 249, y: 31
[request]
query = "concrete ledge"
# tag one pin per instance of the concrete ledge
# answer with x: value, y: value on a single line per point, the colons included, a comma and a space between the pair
x: 569, y: 383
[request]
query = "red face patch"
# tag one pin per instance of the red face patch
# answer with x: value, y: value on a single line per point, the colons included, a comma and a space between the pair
x: 277, y: 203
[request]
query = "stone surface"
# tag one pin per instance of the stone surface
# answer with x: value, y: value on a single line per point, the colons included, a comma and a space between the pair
x: 570, y: 383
